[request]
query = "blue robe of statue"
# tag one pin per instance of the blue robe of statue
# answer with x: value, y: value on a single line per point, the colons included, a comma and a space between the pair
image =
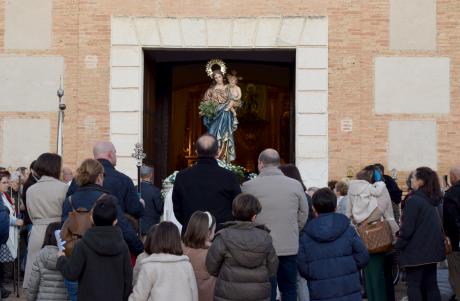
x: 223, y: 124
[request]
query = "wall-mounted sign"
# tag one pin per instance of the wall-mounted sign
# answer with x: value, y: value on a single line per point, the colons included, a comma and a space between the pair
x: 91, y: 61
x: 346, y: 125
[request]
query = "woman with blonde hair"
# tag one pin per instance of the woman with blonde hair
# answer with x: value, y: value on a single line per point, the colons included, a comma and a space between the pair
x: 90, y: 177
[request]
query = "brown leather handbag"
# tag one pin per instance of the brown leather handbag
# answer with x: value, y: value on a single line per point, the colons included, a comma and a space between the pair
x: 76, y: 225
x: 376, y: 235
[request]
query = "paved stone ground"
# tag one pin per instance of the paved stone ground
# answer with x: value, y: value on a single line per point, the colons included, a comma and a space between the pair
x: 443, y: 282
x: 22, y: 294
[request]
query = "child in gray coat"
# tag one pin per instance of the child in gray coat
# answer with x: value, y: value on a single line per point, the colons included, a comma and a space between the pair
x: 46, y: 282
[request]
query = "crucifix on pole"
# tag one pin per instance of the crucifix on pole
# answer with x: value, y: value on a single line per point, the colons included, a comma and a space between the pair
x: 139, y: 155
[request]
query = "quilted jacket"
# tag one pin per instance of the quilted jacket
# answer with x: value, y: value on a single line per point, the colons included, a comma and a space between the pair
x: 46, y: 282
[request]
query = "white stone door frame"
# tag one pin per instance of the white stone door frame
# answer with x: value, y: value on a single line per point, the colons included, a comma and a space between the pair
x: 306, y: 34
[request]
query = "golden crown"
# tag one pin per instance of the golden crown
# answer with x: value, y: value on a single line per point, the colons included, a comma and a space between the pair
x: 212, y: 63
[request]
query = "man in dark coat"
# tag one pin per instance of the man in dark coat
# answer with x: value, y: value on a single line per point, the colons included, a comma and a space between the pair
x: 205, y: 186
x: 451, y: 206
x: 117, y: 183
x: 152, y: 199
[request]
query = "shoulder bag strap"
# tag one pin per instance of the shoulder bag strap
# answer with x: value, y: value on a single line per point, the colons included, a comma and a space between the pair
x: 71, y: 204
x: 440, y: 219
x: 100, y: 197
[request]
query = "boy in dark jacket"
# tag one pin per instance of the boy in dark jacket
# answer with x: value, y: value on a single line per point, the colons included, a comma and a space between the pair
x: 331, y: 252
x: 100, y: 261
x: 242, y: 256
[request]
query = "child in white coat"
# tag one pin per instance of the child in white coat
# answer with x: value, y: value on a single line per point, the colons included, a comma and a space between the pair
x: 166, y: 274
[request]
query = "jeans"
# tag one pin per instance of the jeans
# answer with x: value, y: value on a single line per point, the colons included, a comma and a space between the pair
x: 422, y: 283
x: 72, y: 289
x: 286, y: 278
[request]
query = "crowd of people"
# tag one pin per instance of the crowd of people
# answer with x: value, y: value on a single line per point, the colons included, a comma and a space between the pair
x: 88, y: 235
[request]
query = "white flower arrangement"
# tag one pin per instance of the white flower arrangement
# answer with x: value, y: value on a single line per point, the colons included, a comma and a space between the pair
x: 168, y: 183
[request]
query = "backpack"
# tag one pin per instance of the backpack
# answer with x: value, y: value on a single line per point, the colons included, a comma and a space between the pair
x: 76, y: 225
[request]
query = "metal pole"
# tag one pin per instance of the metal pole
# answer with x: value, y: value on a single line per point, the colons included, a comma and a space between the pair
x: 139, y: 155
x: 60, y: 129
x: 18, y: 257
x: 139, y: 195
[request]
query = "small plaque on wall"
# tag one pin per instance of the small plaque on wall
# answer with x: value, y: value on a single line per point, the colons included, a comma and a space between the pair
x: 346, y: 125
x: 91, y: 61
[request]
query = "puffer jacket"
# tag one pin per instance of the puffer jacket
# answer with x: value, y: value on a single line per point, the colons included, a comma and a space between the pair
x: 330, y: 255
x: 243, y: 259
x: 46, y: 282
x: 165, y: 277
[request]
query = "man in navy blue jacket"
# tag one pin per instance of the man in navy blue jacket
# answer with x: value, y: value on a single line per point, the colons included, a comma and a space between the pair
x: 117, y: 183
x: 152, y: 198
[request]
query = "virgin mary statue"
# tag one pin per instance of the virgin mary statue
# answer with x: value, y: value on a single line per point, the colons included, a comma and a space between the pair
x: 223, y: 123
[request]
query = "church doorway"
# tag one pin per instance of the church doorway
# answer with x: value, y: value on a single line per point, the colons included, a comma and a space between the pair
x: 174, y: 84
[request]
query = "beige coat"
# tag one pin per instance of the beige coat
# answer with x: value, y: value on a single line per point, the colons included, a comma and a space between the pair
x: 165, y: 277
x: 284, y: 208
x: 44, y: 205
x: 204, y: 280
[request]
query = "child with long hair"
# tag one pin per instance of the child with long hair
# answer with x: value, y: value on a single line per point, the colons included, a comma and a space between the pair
x: 197, y: 240
x: 166, y: 274
x: 46, y: 282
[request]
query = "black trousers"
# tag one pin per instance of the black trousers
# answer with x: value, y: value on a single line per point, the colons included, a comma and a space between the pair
x: 422, y: 283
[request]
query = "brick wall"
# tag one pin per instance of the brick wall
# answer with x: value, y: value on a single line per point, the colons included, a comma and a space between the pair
x: 358, y: 32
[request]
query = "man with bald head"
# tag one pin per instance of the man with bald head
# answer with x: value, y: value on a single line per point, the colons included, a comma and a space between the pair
x: 284, y: 212
x: 205, y: 186
x: 117, y: 183
x: 451, y: 209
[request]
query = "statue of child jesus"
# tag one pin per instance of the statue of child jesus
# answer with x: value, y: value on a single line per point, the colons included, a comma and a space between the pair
x: 234, y: 93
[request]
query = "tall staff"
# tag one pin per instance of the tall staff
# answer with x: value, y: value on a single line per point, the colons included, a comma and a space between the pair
x: 60, y: 129
x: 17, y: 261
x: 139, y: 155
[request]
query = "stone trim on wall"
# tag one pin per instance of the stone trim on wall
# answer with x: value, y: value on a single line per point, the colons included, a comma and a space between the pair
x: 307, y: 34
